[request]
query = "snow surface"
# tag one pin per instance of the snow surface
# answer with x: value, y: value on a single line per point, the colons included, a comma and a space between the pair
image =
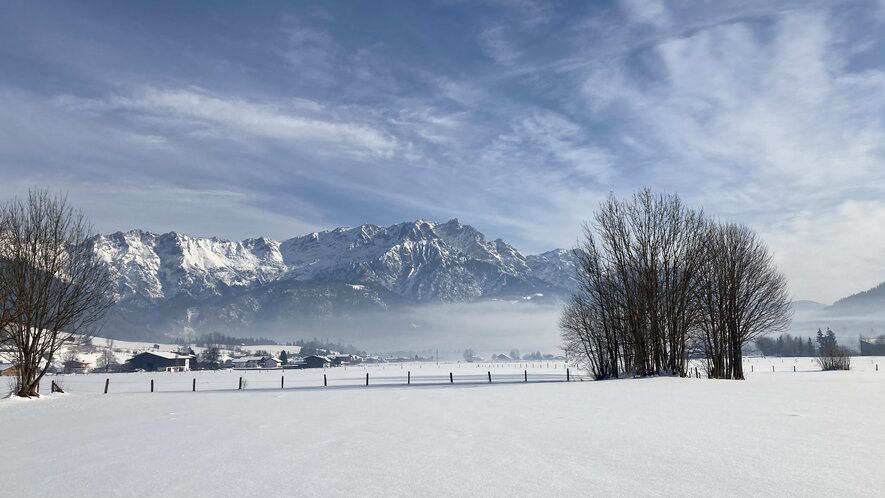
x: 780, y: 433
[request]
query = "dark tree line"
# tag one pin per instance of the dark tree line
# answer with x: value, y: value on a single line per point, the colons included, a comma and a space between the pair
x: 317, y: 346
x: 659, y: 280
x: 214, y: 339
x: 786, y: 345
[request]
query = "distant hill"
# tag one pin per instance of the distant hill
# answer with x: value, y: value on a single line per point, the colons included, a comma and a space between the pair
x: 861, y: 314
x: 868, y: 301
x: 805, y: 305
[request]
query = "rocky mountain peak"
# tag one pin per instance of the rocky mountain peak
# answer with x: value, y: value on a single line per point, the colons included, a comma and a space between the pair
x: 412, y: 262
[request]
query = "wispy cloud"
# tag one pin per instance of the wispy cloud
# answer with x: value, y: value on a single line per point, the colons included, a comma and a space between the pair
x: 198, y: 113
x: 515, y: 116
x: 647, y: 11
x: 497, y: 46
x: 757, y: 120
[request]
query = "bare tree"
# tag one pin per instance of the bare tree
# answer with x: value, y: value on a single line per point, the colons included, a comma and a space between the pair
x: 658, y: 280
x: 468, y: 355
x: 8, y: 313
x: 638, y: 271
x: 58, y: 289
x: 107, y: 358
x: 830, y: 355
x: 743, y: 297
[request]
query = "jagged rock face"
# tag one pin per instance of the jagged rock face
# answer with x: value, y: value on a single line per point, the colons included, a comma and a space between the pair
x: 155, y: 267
x: 189, y: 283
x: 557, y: 267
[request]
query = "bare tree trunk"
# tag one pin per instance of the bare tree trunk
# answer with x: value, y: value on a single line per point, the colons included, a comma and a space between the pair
x: 58, y: 288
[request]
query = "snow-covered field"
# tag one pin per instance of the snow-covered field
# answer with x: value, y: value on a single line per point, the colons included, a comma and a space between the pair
x: 777, y: 434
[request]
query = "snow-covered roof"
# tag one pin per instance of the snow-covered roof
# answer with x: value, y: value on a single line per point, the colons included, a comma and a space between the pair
x: 318, y: 356
x: 245, y: 359
x: 168, y: 355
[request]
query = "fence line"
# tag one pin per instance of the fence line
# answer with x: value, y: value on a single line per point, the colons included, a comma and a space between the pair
x: 191, y: 381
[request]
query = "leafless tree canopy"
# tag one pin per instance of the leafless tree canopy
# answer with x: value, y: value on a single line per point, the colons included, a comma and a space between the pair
x: 55, y: 288
x: 657, y: 279
x: 743, y: 297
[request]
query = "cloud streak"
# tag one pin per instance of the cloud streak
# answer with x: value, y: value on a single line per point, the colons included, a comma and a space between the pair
x: 513, y: 116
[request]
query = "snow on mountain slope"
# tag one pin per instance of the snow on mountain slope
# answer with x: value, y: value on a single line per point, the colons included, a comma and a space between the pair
x: 182, y: 284
x: 423, y: 260
x: 557, y: 267
x: 162, y: 266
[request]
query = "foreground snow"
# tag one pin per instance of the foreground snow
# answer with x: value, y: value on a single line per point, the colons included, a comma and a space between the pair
x: 782, y: 433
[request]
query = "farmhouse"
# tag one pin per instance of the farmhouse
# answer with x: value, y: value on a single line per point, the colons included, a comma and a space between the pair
x: 317, y: 362
x: 342, y: 359
x: 76, y: 366
x: 248, y: 362
x: 8, y: 370
x: 272, y: 363
x: 152, y: 361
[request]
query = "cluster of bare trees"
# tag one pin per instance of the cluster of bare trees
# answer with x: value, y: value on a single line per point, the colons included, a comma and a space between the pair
x: 659, y: 281
x: 53, y: 289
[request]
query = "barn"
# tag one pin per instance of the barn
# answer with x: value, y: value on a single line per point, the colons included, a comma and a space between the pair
x: 153, y: 361
x: 76, y: 366
x: 8, y: 370
x: 317, y: 362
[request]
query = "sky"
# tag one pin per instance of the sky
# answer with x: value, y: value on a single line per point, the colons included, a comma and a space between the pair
x: 246, y: 119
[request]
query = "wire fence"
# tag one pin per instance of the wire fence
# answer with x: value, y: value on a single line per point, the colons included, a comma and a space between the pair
x: 286, y: 379
x: 386, y: 375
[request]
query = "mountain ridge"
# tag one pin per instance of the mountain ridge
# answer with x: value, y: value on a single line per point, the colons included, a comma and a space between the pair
x: 176, y: 285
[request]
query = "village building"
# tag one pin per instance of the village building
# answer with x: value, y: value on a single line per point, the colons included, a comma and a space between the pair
x: 316, y: 361
x: 76, y: 367
x: 248, y: 362
x: 8, y: 370
x: 272, y: 363
x: 342, y: 359
x: 159, y: 361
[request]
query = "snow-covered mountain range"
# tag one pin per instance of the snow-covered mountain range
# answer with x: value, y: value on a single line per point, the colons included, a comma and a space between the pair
x: 176, y: 285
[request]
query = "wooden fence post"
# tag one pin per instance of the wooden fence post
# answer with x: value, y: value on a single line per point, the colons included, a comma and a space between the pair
x: 568, y: 375
x: 409, y: 377
x: 106, y: 383
x: 794, y: 368
x: 194, y: 389
x: 282, y: 381
x: 751, y: 368
x: 325, y: 382
x: 490, y: 376
x: 367, y: 378
x: 152, y: 385
x: 241, y: 383
x: 451, y: 379
x: 526, y: 375
x: 772, y: 368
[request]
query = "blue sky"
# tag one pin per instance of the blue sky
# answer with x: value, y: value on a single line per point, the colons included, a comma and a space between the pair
x: 242, y: 119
